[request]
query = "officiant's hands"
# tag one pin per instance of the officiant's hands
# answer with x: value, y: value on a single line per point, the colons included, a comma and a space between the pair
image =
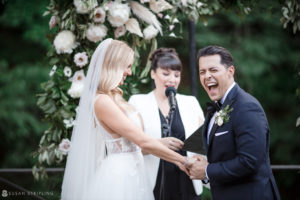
x: 172, y: 143
x: 196, y: 167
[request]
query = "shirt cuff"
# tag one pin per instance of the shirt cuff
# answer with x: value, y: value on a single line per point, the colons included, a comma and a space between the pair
x: 207, y: 178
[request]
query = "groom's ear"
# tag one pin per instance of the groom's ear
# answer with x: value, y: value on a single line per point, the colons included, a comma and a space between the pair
x: 231, y: 70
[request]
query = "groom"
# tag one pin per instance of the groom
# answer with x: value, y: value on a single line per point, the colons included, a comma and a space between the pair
x: 235, y: 133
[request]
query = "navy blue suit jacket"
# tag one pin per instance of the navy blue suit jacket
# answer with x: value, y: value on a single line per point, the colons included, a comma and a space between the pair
x: 238, y: 152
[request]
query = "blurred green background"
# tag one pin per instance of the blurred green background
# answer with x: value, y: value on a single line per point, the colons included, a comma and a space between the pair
x: 267, y: 59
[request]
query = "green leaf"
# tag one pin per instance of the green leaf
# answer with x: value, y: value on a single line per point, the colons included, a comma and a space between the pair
x: 53, y: 61
x: 47, y: 85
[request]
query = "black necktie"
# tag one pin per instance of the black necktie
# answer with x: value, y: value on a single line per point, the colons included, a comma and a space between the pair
x: 212, y: 107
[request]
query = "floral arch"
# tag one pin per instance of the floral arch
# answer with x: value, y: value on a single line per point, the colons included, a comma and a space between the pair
x: 76, y: 28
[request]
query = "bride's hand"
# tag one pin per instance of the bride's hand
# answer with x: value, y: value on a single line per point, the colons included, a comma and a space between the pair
x: 172, y: 143
x: 183, y: 167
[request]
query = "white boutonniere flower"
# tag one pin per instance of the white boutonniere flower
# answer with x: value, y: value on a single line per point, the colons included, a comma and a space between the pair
x: 222, y: 116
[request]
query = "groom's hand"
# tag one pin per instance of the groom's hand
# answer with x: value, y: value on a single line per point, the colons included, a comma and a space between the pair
x: 197, y: 169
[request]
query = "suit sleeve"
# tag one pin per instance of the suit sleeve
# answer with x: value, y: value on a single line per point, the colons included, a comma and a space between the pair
x: 250, y: 129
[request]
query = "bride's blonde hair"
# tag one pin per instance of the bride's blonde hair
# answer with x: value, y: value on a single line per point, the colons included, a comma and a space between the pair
x: 117, y: 59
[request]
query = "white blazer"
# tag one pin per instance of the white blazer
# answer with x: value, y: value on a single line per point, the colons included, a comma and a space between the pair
x: 191, y: 114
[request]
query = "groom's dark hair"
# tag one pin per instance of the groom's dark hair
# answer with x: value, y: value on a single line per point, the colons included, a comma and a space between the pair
x: 226, y: 57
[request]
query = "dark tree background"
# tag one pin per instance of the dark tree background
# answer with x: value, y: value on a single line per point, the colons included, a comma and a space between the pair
x: 266, y: 60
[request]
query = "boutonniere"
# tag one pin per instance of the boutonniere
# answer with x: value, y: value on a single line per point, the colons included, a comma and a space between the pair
x: 222, y: 116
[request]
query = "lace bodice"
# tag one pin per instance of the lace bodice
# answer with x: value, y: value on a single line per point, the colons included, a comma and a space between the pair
x: 118, y: 145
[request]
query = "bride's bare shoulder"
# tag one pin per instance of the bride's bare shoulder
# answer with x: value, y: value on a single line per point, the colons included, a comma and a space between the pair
x: 102, y: 101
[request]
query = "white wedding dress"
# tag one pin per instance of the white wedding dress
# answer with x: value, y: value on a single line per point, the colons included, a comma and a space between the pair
x: 121, y: 174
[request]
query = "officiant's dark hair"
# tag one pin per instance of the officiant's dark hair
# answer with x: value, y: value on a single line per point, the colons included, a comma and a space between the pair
x: 165, y: 58
x: 226, y: 57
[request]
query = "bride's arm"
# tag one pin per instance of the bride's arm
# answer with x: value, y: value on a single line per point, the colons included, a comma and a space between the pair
x: 109, y: 114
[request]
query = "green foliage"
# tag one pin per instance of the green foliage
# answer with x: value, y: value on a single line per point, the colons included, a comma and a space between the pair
x: 20, y: 118
x: 291, y: 14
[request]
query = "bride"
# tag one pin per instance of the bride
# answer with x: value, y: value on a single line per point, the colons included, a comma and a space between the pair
x: 105, y: 159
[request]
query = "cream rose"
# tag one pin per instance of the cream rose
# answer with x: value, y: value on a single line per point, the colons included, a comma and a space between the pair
x: 118, y: 14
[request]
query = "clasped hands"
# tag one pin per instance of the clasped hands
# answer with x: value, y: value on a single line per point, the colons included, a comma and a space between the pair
x: 195, y: 167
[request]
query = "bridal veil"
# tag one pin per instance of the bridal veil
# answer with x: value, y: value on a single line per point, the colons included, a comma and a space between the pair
x: 86, y: 150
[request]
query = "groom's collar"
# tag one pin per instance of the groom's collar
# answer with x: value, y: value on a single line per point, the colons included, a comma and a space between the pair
x: 227, y: 92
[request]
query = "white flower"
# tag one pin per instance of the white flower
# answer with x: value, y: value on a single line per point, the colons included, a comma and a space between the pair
x: 53, y: 70
x: 64, y: 42
x: 99, y: 15
x: 159, y: 6
x: 133, y: 26
x: 160, y: 15
x: 167, y: 17
x: 172, y: 35
x: 69, y: 122
x: 64, y: 146
x: 144, y: 1
x: 175, y: 21
x: 150, y: 32
x: 81, y: 59
x: 52, y: 22
x: 77, y: 84
x: 84, y: 6
x: 67, y: 71
x: 219, y: 121
x: 96, y: 33
x: 199, y: 4
x: 120, y: 31
x: 118, y: 14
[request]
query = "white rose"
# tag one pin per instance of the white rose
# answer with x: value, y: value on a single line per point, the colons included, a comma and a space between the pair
x: 64, y: 42
x: 99, y: 15
x: 77, y: 84
x: 150, y: 32
x: 96, y: 33
x: 118, y: 14
x: 76, y: 89
x: 64, y: 146
x: 81, y: 59
x: 220, y: 121
x: 67, y: 71
x: 84, y: 6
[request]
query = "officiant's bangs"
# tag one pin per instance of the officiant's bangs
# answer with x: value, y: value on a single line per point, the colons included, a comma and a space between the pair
x: 165, y: 58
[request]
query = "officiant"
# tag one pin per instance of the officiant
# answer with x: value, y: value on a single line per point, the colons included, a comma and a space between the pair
x: 167, y: 180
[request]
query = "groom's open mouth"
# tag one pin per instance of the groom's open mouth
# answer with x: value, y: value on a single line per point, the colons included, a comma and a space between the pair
x: 211, y: 87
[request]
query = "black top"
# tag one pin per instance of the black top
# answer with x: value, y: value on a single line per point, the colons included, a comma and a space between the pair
x: 177, y: 185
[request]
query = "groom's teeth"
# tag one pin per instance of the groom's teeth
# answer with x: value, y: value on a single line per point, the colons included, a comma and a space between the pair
x: 211, y: 84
